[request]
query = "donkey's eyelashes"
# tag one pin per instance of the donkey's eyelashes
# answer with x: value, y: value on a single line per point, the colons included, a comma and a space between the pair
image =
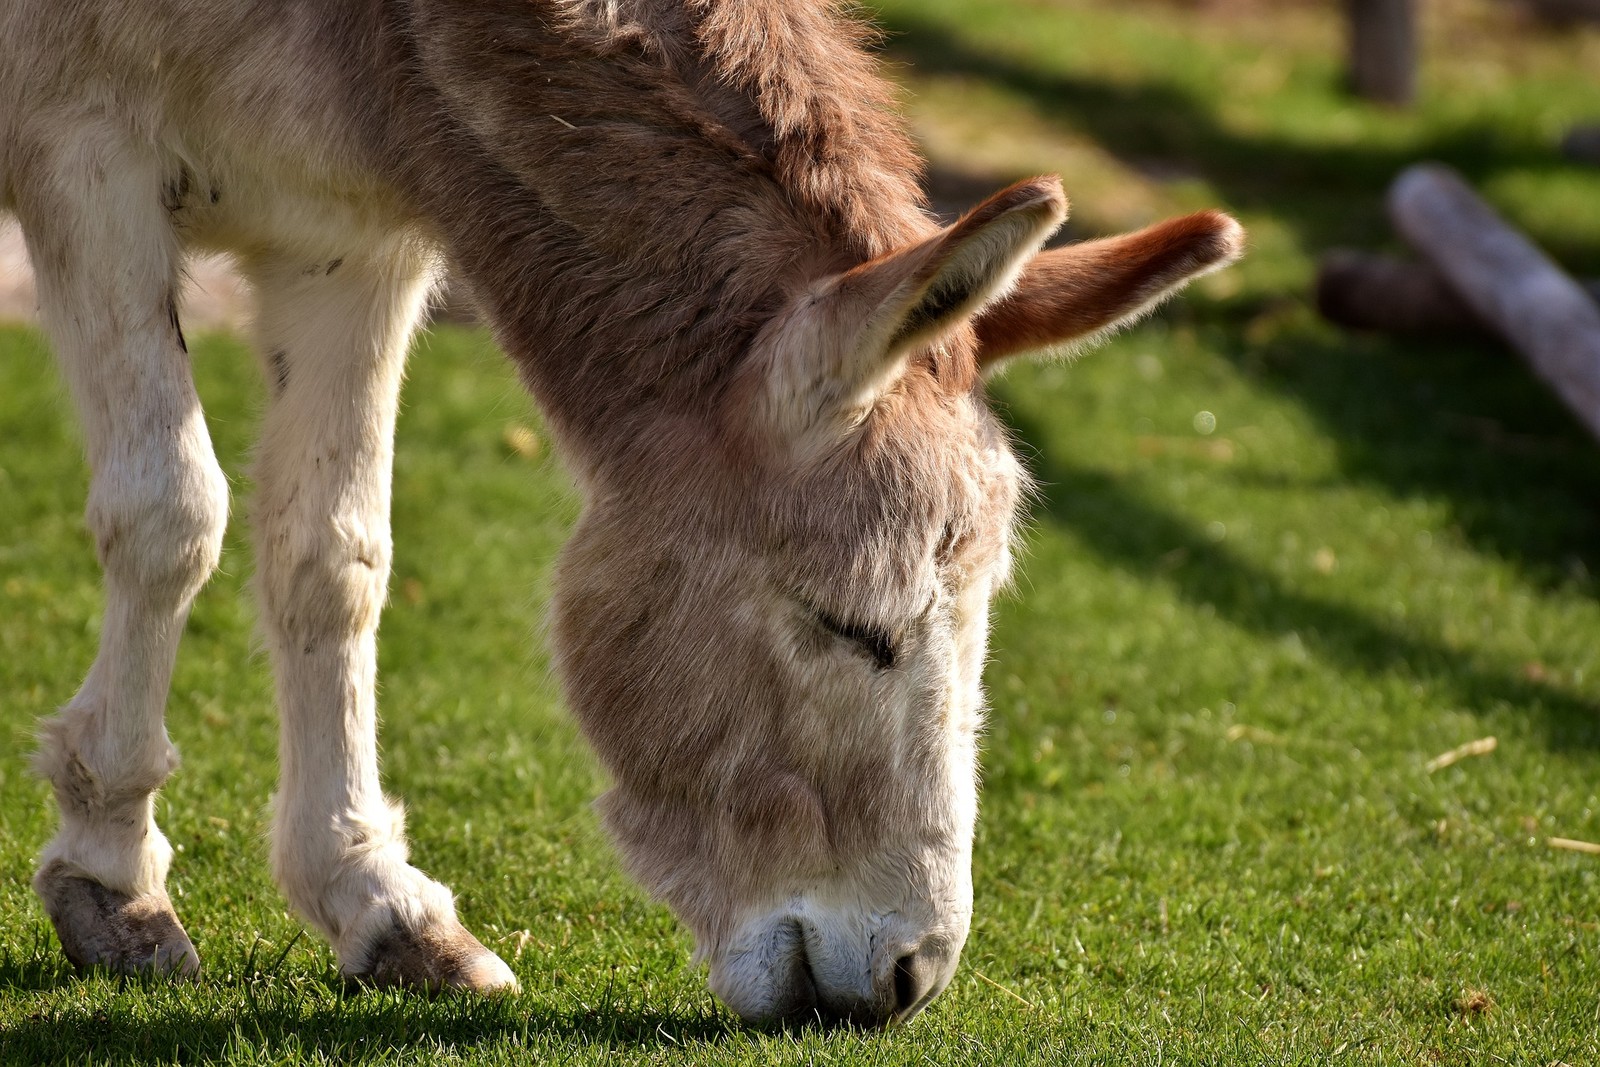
x: 875, y: 641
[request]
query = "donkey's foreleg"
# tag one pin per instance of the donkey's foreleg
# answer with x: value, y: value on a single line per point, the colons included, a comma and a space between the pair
x: 104, y: 253
x: 333, y: 335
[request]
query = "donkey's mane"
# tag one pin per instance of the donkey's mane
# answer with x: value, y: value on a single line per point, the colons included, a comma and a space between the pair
x: 692, y: 163
x: 838, y: 143
x: 794, y: 81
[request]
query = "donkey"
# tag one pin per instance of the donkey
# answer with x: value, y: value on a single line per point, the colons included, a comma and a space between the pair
x: 696, y: 226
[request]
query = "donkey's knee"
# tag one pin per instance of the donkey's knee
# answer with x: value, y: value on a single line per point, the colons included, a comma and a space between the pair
x: 158, y: 524
x: 321, y: 583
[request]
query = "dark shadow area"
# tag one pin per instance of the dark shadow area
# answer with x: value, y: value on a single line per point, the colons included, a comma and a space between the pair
x: 45, y: 968
x: 1338, y: 190
x: 1463, y: 423
x: 307, y: 1015
x: 1145, y: 539
x: 339, y: 1020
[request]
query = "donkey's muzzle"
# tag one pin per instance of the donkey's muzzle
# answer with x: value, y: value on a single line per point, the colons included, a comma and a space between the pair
x: 797, y: 977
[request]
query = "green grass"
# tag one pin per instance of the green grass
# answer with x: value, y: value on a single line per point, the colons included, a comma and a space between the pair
x: 1208, y: 832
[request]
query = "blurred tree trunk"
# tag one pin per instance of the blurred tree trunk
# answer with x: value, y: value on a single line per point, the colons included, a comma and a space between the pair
x: 1383, y: 49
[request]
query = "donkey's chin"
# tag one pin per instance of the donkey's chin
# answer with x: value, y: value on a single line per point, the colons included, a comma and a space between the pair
x: 791, y: 967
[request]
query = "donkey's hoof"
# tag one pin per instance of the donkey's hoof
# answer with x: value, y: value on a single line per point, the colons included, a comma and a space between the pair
x: 438, y: 958
x: 101, y: 927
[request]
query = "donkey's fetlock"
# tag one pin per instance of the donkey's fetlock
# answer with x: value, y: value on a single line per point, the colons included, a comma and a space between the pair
x: 93, y: 779
x: 101, y: 927
x: 107, y: 833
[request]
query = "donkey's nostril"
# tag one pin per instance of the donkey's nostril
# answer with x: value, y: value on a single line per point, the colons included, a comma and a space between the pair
x: 806, y: 981
x: 914, y: 977
x: 798, y: 993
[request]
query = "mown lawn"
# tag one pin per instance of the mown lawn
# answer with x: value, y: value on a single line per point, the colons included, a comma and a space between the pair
x: 1272, y: 571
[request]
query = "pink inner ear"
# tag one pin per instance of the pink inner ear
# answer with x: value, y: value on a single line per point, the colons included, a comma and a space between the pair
x: 1068, y: 293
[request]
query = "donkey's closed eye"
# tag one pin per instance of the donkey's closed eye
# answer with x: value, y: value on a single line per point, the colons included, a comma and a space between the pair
x: 875, y: 641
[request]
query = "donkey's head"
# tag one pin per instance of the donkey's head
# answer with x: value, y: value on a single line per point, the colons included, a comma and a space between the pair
x: 774, y: 631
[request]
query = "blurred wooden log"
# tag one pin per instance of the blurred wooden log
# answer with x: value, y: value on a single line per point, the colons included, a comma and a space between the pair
x: 1383, y: 49
x: 1582, y: 144
x: 1566, y: 12
x: 1506, y: 280
x: 1368, y: 292
x: 1365, y: 291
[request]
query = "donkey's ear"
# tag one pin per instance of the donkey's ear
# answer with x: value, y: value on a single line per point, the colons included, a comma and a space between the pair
x: 1082, y: 290
x: 908, y: 298
x: 862, y: 324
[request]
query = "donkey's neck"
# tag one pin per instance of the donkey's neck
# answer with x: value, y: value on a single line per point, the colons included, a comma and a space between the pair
x: 632, y: 189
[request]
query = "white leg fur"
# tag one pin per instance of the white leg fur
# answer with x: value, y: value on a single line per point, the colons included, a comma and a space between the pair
x: 333, y: 334
x: 106, y: 262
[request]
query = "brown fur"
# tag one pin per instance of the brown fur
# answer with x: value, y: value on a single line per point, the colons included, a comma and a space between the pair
x: 657, y: 185
x: 621, y: 164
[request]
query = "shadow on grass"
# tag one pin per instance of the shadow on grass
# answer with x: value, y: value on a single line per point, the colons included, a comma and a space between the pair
x: 1463, y: 424
x: 300, y: 1016
x: 1146, y: 539
x: 43, y: 968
